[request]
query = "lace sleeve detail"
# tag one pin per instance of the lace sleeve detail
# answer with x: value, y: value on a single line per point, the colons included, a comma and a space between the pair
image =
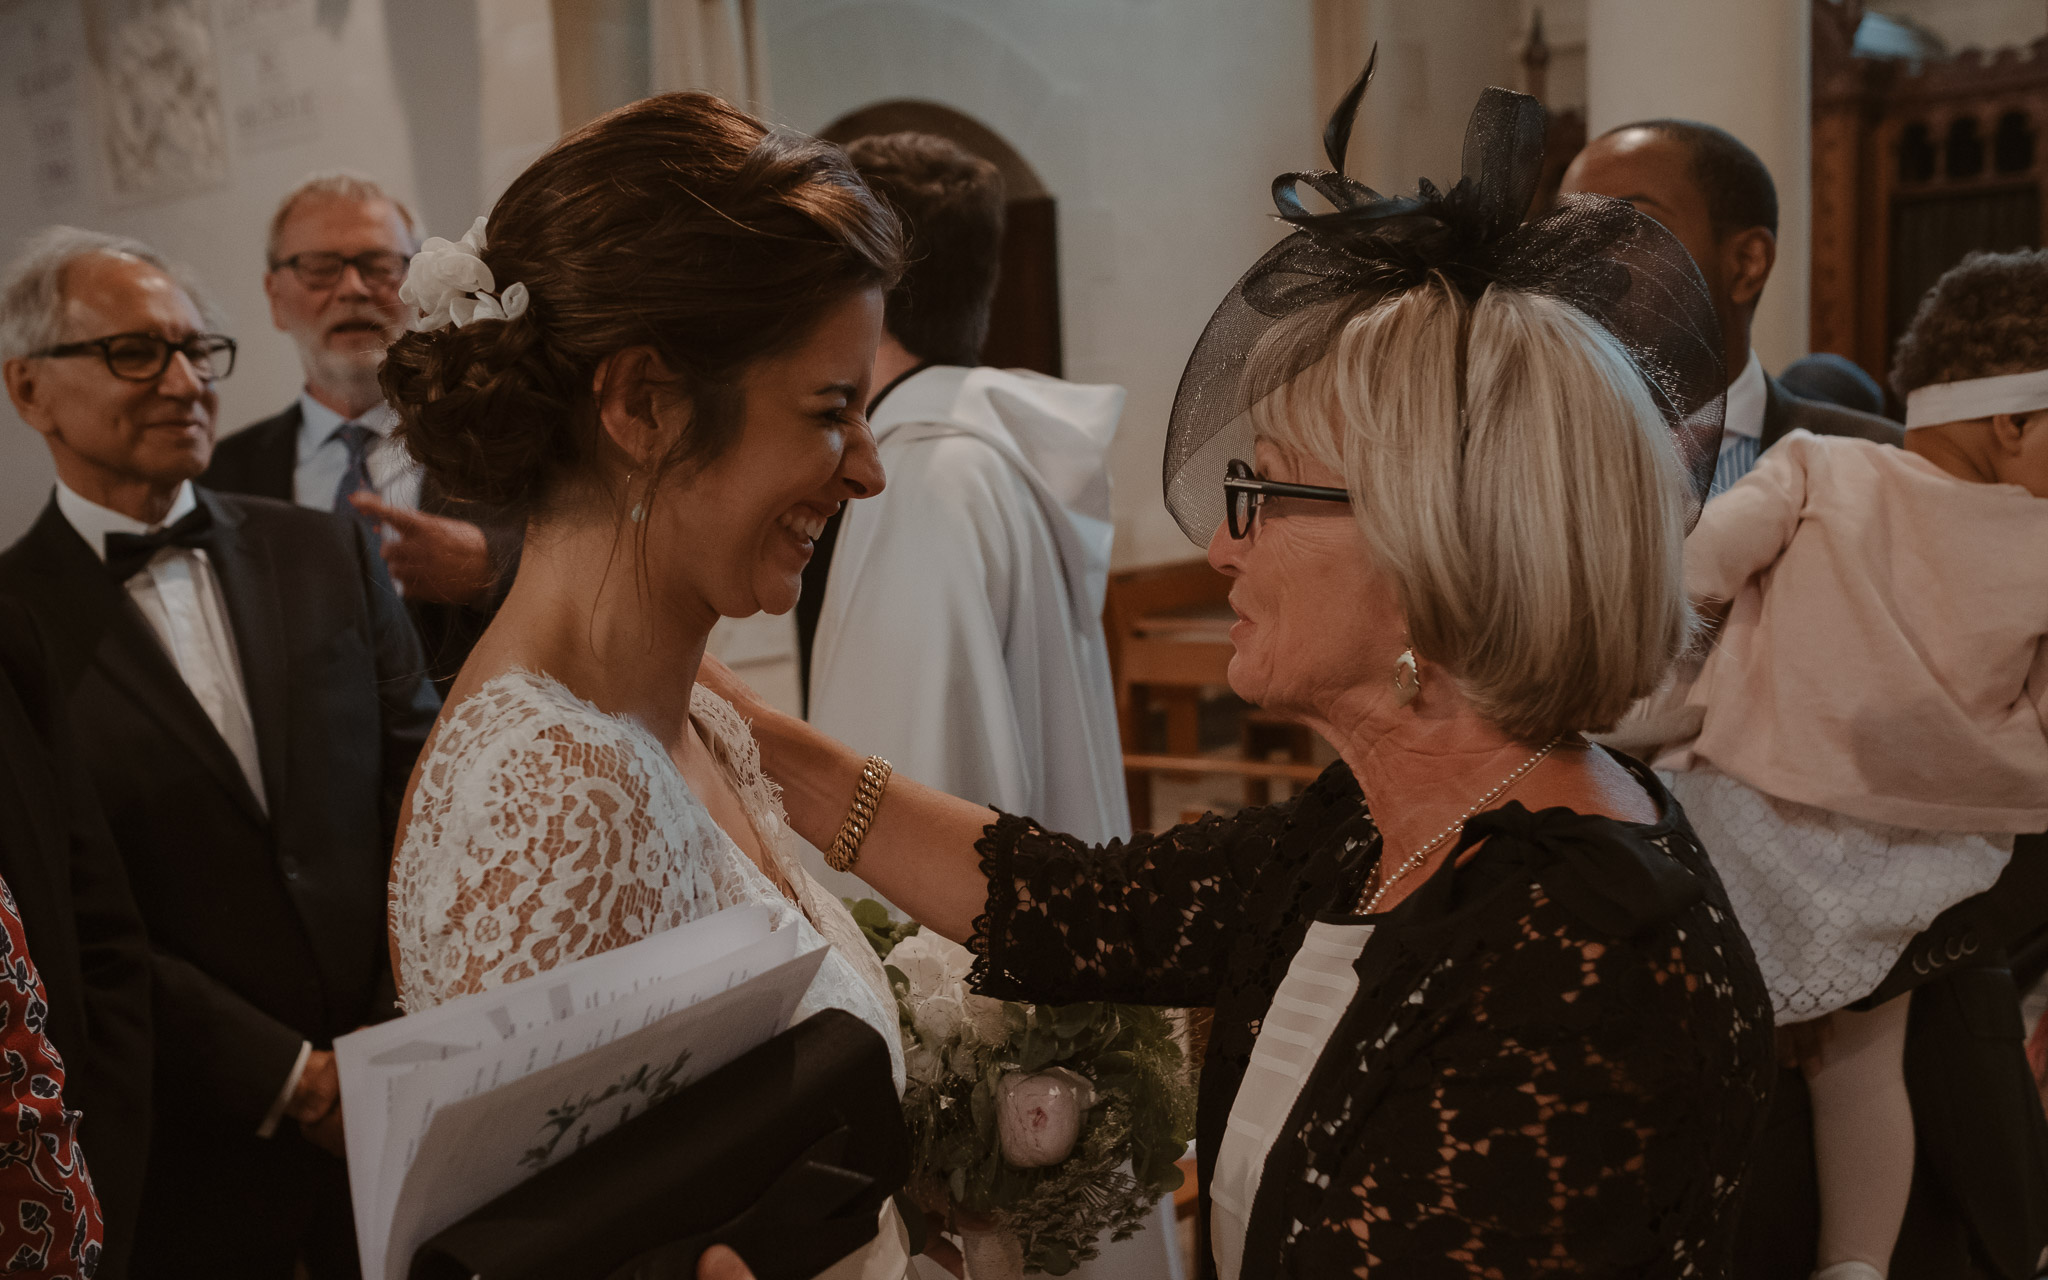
x: 853, y: 978
x: 535, y: 839
x: 1149, y: 921
x: 1590, y: 1102
x: 731, y: 740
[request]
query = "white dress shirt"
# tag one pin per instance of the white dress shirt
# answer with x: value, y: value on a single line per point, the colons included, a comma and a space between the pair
x: 323, y: 458
x: 179, y: 596
x: 1742, y: 429
x: 181, y: 600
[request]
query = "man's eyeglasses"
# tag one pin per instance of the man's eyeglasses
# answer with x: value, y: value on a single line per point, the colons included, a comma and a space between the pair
x: 378, y: 268
x: 143, y: 357
x: 1244, y: 492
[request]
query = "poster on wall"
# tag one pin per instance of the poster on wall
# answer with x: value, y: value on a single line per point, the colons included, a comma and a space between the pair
x: 160, y: 123
x: 45, y: 70
x: 270, y: 54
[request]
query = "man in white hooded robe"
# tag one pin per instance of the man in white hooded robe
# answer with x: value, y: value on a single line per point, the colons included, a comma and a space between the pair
x: 959, y: 633
x: 959, y: 630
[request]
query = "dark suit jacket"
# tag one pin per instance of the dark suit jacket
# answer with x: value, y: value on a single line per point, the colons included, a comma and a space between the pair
x: 266, y: 925
x: 263, y: 458
x: 83, y: 930
x: 1979, y: 1204
x: 1785, y: 412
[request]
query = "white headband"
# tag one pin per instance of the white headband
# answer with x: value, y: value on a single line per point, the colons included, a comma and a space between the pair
x: 1940, y: 402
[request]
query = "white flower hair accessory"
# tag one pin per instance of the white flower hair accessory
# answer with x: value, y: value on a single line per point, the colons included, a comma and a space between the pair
x: 449, y: 283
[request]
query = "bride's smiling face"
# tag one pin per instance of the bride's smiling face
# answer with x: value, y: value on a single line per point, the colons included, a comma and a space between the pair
x: 737, y: 533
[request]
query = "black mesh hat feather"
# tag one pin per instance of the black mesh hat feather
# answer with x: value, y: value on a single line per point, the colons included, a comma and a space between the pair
x: 1618, y: 266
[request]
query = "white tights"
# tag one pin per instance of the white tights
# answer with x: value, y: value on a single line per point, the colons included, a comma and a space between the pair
x: 1862, y: 1133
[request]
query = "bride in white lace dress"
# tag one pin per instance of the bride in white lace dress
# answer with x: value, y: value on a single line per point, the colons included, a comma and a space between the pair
x: 658, y: 350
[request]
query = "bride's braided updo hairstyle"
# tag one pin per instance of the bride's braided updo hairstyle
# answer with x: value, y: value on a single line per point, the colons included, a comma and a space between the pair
x: 679, y: 223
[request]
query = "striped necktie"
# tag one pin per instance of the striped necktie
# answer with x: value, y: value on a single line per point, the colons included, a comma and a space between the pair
x: 357, y: 439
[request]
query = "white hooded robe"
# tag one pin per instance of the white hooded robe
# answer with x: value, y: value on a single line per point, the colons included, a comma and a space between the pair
x: 961, y: 632
x: 961, y: 635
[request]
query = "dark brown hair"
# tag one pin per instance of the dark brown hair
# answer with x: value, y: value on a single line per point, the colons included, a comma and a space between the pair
x: 951, y: 203
x: 679, y: 223
x: 1987, y: 315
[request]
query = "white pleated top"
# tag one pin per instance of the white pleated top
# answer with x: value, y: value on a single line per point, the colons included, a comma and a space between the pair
x: 1320, y: 984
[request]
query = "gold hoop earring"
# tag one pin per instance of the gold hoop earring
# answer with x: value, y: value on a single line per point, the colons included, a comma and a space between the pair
x: 1407, y: 678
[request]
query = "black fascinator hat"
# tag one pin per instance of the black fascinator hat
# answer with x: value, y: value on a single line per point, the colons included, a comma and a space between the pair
x: 1618, y: 266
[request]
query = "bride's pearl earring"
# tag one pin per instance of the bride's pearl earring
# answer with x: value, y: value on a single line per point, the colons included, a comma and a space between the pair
x: 639, y: 511
x: 1407, y: 678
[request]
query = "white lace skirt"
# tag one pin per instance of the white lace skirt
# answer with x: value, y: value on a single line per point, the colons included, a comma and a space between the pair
x: 1828, y: 902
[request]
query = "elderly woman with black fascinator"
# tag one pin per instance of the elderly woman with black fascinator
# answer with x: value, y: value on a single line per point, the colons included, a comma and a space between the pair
x: 1481, y: 1006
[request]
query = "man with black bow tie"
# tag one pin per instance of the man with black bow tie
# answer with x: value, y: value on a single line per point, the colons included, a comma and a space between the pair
x: 248, y: 697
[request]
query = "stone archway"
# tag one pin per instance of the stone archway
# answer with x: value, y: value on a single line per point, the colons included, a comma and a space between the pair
x: 1024, y: 327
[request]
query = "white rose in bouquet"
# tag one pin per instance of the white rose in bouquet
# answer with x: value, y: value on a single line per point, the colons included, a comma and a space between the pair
x: 931, y: 963
x: 922, y: 1065
x: 1039, y: 1130
x: 944, y: 1008
x: 985, y: 1018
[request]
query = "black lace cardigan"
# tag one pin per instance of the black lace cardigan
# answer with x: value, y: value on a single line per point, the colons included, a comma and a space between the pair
x: 1557, y: 1062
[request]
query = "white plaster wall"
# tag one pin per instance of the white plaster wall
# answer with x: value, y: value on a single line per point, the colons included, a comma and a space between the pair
x: 1157, y: 125
x: 1564, y: 30
x: 396, y: 87
x: 1745, y: 65
x: 1435, y: 58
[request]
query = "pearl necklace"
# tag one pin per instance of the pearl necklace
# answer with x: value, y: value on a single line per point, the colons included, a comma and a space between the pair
x: 1417, y: 858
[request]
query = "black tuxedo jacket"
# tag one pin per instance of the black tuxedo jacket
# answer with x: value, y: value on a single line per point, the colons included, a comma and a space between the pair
x: 266, y: 926
x: 1785, y: 412
x: 262, y: 459
x: 83, y: 930
x: 1979, y: 1204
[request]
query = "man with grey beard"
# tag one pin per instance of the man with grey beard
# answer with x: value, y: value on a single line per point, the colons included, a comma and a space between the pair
x: 338, y: 251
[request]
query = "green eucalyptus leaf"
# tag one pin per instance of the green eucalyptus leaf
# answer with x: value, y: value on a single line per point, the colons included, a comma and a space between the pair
x: 1071, y: 1020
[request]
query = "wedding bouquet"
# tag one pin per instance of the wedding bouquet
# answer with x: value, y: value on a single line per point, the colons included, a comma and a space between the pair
x: 1034, y: 1129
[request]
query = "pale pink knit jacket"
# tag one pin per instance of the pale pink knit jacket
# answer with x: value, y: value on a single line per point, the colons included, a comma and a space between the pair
x: 1884, y: 657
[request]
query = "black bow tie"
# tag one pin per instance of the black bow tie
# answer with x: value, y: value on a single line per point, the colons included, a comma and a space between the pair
x: 129, y: 553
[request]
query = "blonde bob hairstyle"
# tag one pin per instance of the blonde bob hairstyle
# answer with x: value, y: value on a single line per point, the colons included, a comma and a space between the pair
x: 1536, y: 545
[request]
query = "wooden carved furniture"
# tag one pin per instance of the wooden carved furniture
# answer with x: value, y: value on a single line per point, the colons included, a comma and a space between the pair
x: 1914, y: 165
x: 1168, y: 628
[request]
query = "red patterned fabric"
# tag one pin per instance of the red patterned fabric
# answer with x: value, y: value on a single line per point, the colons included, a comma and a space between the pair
x: 50, y: 1223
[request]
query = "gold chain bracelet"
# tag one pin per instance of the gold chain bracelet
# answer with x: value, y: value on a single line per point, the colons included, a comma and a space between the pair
x: 867, y: 797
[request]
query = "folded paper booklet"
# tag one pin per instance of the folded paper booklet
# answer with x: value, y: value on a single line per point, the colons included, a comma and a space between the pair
x: 447, y: 1108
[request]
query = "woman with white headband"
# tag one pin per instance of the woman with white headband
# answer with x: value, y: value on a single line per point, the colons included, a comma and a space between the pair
x: 1875, y: 711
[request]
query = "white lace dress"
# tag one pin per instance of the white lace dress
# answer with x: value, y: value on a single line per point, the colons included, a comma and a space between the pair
x: 544, y: 830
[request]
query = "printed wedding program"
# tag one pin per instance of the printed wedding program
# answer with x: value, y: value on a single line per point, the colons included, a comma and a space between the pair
x: 451, y: 1107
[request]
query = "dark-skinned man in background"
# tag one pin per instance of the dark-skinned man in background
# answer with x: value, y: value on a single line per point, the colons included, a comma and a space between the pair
x: 1979, y: 1205
x: 1717, y: 197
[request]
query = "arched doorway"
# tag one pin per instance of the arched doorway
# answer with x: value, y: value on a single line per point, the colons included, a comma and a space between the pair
x: 1024, y: 329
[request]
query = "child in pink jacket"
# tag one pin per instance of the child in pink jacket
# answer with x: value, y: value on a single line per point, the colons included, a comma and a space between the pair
x: 1873, y: 723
